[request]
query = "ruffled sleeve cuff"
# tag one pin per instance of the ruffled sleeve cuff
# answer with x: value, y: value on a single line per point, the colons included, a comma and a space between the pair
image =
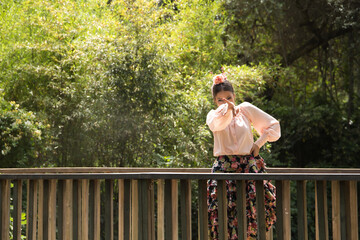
x: 219, y: 119
x: 270, y: 134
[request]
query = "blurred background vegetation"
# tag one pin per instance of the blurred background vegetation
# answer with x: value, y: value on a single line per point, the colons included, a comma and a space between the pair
x: 127, y: 83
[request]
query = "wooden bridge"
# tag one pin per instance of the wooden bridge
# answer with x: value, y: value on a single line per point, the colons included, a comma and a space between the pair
x: 167, y: 203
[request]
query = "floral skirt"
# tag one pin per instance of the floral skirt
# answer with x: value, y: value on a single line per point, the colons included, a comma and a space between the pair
x: 239, y: 164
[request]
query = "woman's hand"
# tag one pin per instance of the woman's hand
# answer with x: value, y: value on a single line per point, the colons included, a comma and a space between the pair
x: 232, y: 106
x: 255, y: 150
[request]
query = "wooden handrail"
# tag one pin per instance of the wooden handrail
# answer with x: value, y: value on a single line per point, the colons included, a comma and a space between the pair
x: 152, y: 169
x: 191, y: 176
x: 65, y: 203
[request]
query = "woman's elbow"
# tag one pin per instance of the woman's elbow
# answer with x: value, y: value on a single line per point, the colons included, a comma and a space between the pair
x: 274, y: 133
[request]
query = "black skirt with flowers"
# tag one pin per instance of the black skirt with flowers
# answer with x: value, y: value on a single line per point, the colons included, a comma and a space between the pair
x: 239, y: 164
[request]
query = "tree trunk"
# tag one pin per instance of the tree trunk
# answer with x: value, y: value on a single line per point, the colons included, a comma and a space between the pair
x: 350, y: 73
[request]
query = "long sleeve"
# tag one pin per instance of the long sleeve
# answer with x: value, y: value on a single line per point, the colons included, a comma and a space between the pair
x: 267, y: 126
x: 219, y: 119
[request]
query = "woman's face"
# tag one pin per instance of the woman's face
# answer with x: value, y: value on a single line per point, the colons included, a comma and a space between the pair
x: 219, y: 98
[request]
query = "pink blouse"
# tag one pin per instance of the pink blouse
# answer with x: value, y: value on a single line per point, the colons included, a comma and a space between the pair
x: 233, y: 135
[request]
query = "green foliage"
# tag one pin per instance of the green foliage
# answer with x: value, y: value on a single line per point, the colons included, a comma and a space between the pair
x: 128, y: 83
x: 22, y: 136
x: 86, y: 83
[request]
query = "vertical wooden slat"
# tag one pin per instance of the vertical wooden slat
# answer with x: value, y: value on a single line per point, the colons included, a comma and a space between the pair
x: 174, y: 208
x: 109, y: 209
x: 279, y: 210
x: 46, y: 208
x: 241, y: 209
x: 91, y: 210
x: 302, y: 213
x: 321, y: 207
x: 52, y: 210
x: 316, y: 215
x: 67, y: 209
x: 17, y: 209
x: 5, y: 209
x: 185, y: 208
x: 203, y: 213
x: 269, y: 234
x: 40, y: 214
x: 134, y: 210
x: 287, y: 209
x: 171, y: 212
x: 335, y: 203
x: 127, y: 208
x: 141, y: 208
x: 260, y: 209
x: 151, y: 210
x: 343, y: 209
x: 222, y: 209
x: 283, y: 213
x: 31, y: 209
x: 60, y: 212
x: 84, y: 209
x: 144, y: 207
x: 97, y: 206
x: 121, y: 209
x: 351, y: 212
x: 161, y: 209
x: 76, y: 209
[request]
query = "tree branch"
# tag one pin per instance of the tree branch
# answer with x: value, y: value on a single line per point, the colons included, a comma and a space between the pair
x: 312, y: 44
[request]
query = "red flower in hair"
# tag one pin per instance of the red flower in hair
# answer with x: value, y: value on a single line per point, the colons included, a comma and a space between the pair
x: 219, y: 79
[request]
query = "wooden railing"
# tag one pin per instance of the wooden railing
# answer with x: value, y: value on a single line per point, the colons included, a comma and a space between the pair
x: 143, y: 203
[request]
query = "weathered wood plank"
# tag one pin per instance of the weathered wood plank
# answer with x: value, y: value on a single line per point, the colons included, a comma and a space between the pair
x: 168, y: 208
x: 203, y: 213
x: 343, y: 209
x: 77, y: 209
x: 185, y: 194
x: 143, y: 218
x: 60, y: 206
x: 5, y: 209
x: 260, y: 209
x: 17, y: 209
x: 269, y: 234
x: 151, y: 210
x: 67, y: 209
x: 222, y: 209
x: 109, y: 209
x: 91, y: 210
x: 40, y: 214
x: 32, y: 192
x: 171, y: 212
x: 195, y: 176
x: 134, y: 210
x: 241, y: 209
x: 174, y: 208
x: 301, y: 207
x: 121, y: 209
x: 93, y: 170
x: 145, y: 210
x: 46, y: 208
x: 283, y: 225
x: 322, y: 210
x: 161, y: 209
x: 287, y: 209
x: 127, y: 208
x: 51, y: 210
x: 335, y: 203
x: 351, y: 212
x: 97, y: 207
x: 84, y: 209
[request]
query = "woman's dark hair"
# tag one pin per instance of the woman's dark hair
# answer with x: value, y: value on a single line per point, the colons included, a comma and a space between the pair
x: 224, y: 86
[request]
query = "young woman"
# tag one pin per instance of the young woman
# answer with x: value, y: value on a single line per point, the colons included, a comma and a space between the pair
x: 236, y: 152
